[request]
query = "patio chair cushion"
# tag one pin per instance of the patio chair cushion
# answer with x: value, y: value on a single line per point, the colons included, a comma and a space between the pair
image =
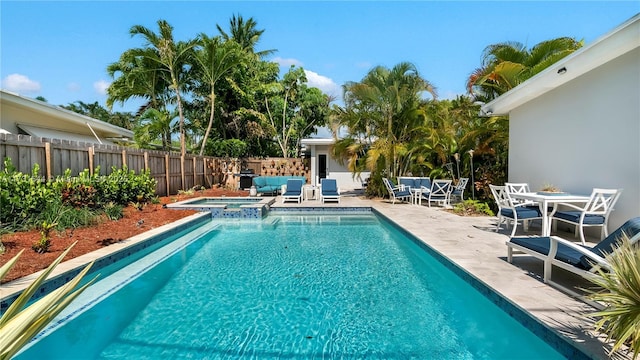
x: 542, y: 245
x: 524, y: 212
x: 608, y: 244
x: 574, y: 216
x: 425, y: 182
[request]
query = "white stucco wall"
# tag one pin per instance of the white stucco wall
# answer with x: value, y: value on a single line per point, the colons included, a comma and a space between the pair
x: 584, y: 134
x: 336, y: 171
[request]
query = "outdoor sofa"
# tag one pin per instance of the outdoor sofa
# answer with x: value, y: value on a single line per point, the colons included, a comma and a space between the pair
x: 273, y: 184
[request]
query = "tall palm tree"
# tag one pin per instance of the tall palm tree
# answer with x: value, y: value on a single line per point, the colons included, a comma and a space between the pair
x: 171, y: 58
x: 245, y: 34
x: 505, y: 65
x: 215, y: 59
x: 136, y: 76
x: 386, y: 106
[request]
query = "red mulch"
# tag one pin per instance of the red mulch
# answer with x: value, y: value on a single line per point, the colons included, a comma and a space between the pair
x: 95, y: 237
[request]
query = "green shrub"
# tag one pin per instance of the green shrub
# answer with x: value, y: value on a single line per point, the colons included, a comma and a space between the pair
x: 66, y: 216
x: 23, y: 196
x: 123, y: 186
x: 113, y: 211
x: 472, y: 207
x: 78, y: 191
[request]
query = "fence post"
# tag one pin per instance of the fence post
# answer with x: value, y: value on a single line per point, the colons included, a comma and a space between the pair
x: 91, y: 152
x: 47, y: 158
x: 124, y: 158
x: 195, y: 175
x: 182, y: 174
x: 166, y: 171
x: 146, y: 161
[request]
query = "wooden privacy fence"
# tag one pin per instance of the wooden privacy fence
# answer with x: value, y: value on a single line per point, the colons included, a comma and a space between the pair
x: 171, y: 171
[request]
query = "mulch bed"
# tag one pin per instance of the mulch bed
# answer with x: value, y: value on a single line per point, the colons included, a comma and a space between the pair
x: 91, y: 238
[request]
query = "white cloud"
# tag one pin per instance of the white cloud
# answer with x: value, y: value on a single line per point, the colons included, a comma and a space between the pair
x: 74, y: 87
x: 20, y: 84
x: 323, y: 83
x: 287, y: 62
x: 101, y: 86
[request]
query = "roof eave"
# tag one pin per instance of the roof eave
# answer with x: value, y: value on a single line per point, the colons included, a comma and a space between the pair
x: 614, y: 44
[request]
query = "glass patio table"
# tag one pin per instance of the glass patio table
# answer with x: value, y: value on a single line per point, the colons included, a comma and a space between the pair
x: 547, y: 199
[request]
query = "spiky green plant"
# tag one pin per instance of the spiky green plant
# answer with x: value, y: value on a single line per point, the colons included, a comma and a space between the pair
x: 619, y: 291
x: 18, y: 325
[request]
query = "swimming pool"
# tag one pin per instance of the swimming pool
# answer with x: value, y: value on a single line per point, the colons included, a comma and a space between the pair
x: 290, y: 286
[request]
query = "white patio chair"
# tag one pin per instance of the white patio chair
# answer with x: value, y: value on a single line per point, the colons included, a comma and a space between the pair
x: 518, y: 188
x: 507, y: 209
x: 396, y: 193
x: 458, y: 191
x: 594, y: 213
x: 440, y: 192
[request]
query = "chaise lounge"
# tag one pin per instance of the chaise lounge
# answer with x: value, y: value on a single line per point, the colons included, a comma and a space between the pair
x: 578, y: 259
x: 293, y: 191
x: 329, y: 190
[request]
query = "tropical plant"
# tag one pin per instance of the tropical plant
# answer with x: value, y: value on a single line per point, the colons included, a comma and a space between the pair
x: 472, y: 207
x: 293, y: 110
x: 18, y: 325
x: 154, y: 124
x: 215, y: 59
x: 507, y: 64
x: 618, y: 288
x: 384, y: 117
x: 171, y: 58
x: 245, y: 34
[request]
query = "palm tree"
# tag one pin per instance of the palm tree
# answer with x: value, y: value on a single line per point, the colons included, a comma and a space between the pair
x: 137, y: 76
x: 245, y: 34
x: 215, y: 59
x: 385, y: 107
x: 505, y: 65
x: 169, y: 57
x: 154, y: 124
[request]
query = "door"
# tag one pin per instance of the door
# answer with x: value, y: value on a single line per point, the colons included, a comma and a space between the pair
x: 322, y: 166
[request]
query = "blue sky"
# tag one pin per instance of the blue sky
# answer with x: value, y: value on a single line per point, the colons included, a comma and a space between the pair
x: 60, y: 49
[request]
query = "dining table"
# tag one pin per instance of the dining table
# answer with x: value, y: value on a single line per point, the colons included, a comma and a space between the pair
x: 547, y: 200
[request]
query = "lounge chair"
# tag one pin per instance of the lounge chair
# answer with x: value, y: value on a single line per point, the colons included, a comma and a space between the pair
x: 329, y: 190
x: 294, y: 191
x: 508, y: 209
x: 396, y: 193
x: 594, y: 213
x: 576, y: 258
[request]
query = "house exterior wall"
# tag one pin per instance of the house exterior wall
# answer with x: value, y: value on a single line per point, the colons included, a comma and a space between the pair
x: 336, y: 171
x: 582, y: 135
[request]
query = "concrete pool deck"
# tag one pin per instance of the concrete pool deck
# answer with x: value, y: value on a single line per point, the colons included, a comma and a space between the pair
x: 472, y: 244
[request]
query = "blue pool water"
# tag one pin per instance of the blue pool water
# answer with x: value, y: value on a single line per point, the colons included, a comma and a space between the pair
x: 294, y: 287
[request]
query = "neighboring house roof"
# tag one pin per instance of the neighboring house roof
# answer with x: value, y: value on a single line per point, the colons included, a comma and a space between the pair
x: 616, y: 43
x: 38, y: 118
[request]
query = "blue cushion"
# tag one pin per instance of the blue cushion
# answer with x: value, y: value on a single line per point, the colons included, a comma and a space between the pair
x: 541, y: 245
x: 574, y: 216
x: 524, y: 212
x: 425, y: 182
x: 608, y: 244
x: 329, y: 185
x: 402, y: 193
x: 407, y: 182
x: 294, y: 187
x: 330, y: 193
